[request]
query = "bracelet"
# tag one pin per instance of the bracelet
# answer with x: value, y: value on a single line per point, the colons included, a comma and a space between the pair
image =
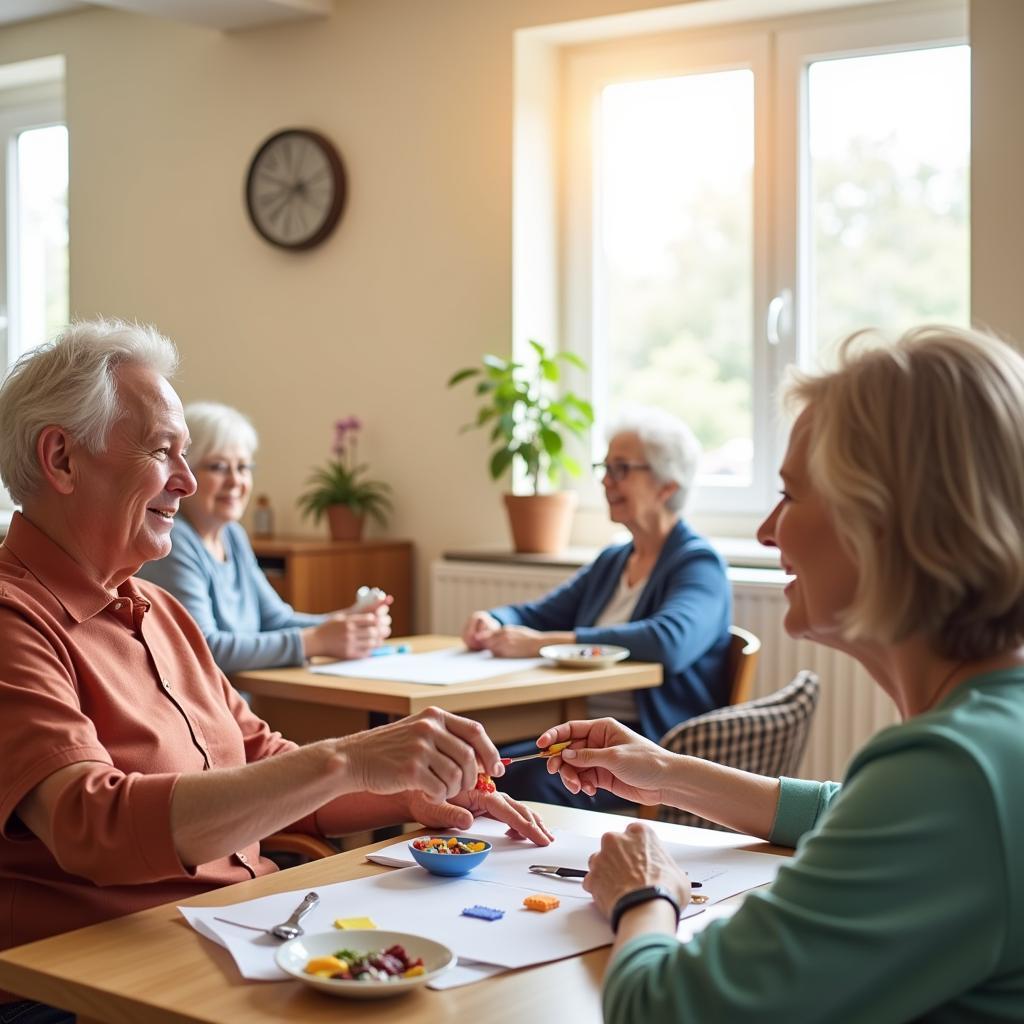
x: 638, y: 896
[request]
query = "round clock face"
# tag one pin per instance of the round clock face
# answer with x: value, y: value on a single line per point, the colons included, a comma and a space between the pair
x: 295, y: 190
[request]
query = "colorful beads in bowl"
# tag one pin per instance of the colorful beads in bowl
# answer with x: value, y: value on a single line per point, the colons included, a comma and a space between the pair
x: 449, y: 855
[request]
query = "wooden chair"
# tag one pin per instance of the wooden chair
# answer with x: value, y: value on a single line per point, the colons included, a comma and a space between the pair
x: 299, y: 844
x: 744, y: 650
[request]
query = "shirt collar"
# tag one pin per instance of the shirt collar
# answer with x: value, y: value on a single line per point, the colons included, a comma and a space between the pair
x: 80, y: 595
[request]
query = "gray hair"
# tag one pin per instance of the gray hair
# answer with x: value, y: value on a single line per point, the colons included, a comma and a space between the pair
x: 670, y: 448
x: 70, y: 382
x: 213, y: 426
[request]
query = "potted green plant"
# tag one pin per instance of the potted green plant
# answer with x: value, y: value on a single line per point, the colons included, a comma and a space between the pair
x: 530, y: 417
x: 340, y: 491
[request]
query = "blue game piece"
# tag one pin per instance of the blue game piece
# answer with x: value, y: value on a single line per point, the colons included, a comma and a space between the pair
x: 484, y: 913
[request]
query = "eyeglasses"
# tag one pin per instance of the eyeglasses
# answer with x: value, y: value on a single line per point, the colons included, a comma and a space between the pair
x: 618, y: 471
x: 219, y: 467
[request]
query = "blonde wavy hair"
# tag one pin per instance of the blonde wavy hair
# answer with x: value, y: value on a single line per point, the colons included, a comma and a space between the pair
x: 918, y: 447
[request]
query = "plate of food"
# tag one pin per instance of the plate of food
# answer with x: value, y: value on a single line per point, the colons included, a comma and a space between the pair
x: 364, y: 963
x: 584, y: 655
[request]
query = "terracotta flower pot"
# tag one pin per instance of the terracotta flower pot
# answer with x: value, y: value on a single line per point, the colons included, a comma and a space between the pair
x: 541, y: 522
x: 344, y: 523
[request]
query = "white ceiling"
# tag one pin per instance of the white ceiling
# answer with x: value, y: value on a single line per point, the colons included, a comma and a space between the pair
x: 226, y: 15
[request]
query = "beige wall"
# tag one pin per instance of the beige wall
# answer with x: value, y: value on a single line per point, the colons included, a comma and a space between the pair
x: 417, y: 280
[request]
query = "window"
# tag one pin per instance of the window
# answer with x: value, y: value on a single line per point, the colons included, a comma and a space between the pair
x: 740, y: 199
x: 33, y: 208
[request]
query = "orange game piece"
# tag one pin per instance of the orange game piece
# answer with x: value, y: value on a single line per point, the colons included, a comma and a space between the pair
x: 541, y: 902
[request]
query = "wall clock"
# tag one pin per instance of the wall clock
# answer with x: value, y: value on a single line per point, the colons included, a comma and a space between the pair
x: 295, y: 189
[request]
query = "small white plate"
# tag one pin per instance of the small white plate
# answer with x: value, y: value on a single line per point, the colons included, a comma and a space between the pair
x: 584, y: 655
x: 293, y: 956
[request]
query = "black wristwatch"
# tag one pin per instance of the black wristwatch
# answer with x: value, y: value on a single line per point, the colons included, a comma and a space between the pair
x: 638, y: 896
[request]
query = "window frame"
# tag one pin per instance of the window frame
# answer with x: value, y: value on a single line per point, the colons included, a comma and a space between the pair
x: 23, y: 107
x: 779, y: 51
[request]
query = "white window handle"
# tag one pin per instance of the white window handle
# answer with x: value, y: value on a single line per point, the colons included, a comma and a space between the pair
x: 777, y: 322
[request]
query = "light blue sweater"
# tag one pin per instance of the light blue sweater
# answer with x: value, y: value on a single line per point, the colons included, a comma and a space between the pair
x: 905, y: 900
x: 244, y: 621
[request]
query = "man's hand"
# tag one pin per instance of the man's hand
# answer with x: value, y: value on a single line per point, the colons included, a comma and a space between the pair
x: 459, y: 812
x: 434, y: 752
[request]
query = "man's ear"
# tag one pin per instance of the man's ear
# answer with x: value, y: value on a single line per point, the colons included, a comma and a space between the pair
x: 53, y: 449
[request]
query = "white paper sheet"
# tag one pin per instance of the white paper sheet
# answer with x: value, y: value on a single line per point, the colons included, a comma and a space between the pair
x: 435, y: 668
x: 722, y: 872
x: 412, y: 900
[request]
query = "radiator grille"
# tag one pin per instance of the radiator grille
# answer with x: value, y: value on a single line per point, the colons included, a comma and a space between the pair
x: 852, y: 707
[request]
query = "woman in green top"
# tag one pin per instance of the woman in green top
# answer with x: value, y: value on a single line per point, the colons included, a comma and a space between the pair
x: 902, y: 523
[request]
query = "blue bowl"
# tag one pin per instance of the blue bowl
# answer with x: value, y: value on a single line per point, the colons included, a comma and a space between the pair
x: 450, y: 864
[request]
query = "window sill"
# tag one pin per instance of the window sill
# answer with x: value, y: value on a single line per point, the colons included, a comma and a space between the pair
x: 737, y: 552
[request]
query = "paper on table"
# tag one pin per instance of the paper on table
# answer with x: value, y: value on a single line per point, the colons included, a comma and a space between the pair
x: 722, y: 872
x: 412, y: 900
x: 435, y: 668
x: 465, y: 972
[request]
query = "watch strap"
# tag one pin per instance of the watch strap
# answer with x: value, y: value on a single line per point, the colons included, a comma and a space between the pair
x: 638, y: 896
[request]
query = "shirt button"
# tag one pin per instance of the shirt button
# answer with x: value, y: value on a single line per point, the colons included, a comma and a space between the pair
x: 165, y: 683
x: 119, y: 605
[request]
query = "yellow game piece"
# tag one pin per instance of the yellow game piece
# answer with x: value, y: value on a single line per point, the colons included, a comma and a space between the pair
x: 347, y: 923
x: 555, y: 748
x: 541, y: 902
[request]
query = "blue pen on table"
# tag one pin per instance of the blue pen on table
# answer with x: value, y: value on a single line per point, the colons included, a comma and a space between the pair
x: 378, y: 652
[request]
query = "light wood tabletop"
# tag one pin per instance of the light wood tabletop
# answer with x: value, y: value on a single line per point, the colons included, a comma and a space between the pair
x: 306, y: 706
x: 152, y: 968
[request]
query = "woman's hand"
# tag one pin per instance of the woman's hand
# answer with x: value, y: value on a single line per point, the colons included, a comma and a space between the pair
x: 349, y: 634
x: 479, y: 628
x: 459, y: 812
x: 515, y: 642
x: 632, y: 860
x: 605, y: 754
x: 433, y: 752
x: 381, y: 608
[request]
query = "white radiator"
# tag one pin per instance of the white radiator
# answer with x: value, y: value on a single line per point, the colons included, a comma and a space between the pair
x: 852, y: 707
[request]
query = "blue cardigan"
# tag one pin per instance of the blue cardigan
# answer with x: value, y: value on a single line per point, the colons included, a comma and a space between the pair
x: 244, y: 621
x: 681, y: 620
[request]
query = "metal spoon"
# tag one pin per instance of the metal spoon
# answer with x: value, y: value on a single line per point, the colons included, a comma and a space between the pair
x: 290, y: 929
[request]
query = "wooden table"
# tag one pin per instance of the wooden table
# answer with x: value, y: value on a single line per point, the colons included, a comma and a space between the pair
x: 305, y: 706
x: 152, y: 968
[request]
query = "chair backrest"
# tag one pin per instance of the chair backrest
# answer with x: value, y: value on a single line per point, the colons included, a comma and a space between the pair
x: 766, y: 736
x: 744, y: 650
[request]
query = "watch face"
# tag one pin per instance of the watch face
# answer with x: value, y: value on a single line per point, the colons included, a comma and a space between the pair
x: 296, y: 189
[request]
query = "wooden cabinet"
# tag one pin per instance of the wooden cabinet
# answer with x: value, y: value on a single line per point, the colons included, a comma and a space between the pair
x: 322, y: 575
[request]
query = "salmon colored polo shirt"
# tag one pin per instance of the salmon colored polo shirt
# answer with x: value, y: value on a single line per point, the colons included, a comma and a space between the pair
x: 127, y: 684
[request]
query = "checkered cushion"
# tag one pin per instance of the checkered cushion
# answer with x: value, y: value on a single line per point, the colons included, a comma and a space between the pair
x: 766, y: 736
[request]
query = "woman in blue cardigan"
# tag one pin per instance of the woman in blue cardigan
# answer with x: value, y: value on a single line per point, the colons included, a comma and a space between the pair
x: 664, y: 595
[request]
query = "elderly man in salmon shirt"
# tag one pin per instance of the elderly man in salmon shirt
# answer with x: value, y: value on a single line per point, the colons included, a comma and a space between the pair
x: 132, y: 773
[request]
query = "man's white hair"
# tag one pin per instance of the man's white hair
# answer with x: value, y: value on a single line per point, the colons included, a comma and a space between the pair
x: 671, y: 448
x: 70, y: 382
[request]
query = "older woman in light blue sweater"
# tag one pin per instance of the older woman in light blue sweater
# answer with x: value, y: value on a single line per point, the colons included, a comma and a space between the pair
x: 213, y: 572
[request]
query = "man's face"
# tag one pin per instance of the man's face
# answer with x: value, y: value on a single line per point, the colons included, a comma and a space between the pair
x: 124, y: 500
